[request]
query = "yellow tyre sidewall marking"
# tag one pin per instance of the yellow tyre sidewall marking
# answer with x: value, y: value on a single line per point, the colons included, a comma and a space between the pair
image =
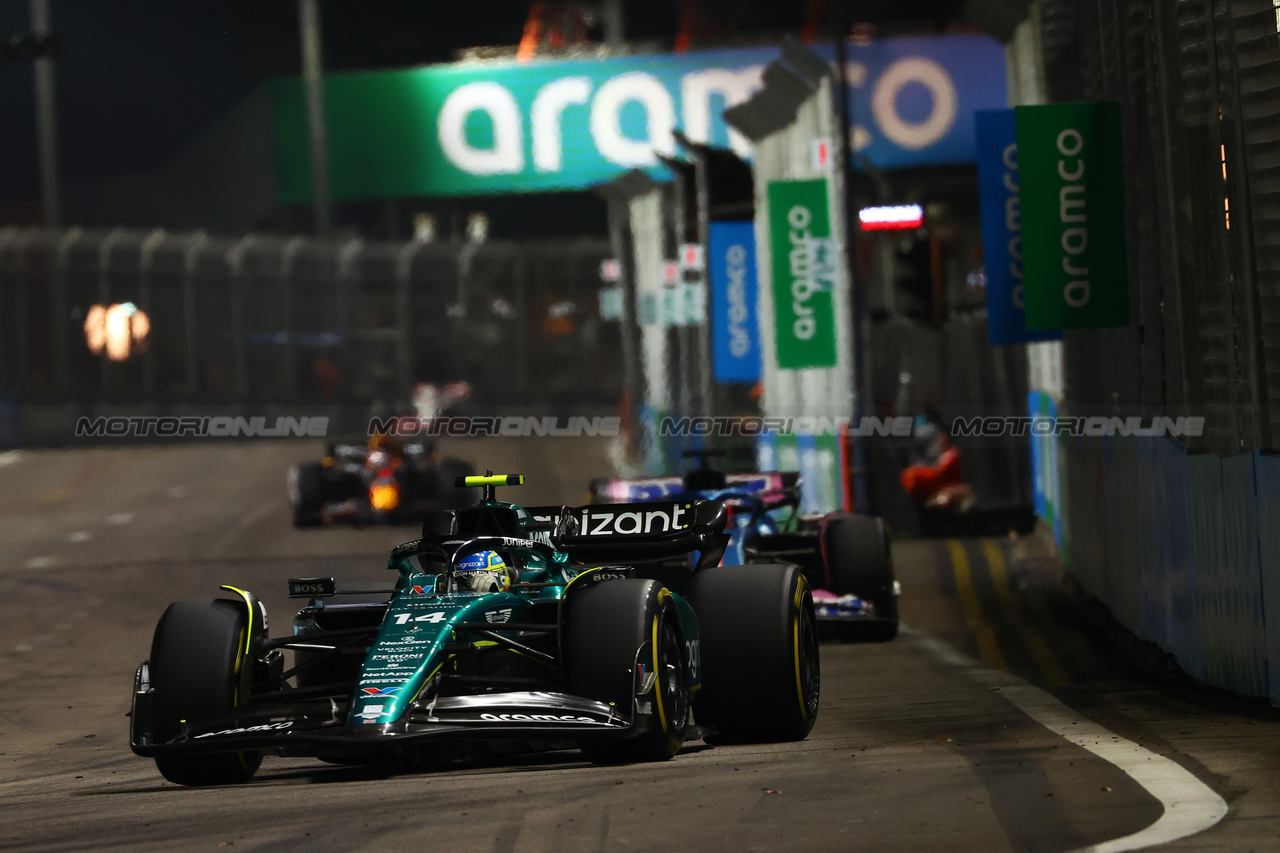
x: 798, y: 601
x: 664, y: 595
x: 242, y: 651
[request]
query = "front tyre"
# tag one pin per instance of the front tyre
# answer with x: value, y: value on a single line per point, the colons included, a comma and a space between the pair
x: 761, y: 675
x: 608, y: 625
x: 196, y: 656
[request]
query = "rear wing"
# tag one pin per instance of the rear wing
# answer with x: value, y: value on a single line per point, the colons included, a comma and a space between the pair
x: 638, y: 532
x: 771, y: 486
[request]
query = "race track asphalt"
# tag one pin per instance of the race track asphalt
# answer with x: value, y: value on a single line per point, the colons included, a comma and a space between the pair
x: 921, y: 743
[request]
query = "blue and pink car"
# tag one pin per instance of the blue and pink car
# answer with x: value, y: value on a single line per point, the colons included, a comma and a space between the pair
x: 845, y: 556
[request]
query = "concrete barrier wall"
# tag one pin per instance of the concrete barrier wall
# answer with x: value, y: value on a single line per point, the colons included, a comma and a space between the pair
x: 1185, y: 552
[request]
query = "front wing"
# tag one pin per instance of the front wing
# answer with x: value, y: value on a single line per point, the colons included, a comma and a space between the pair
x: 311, y: 727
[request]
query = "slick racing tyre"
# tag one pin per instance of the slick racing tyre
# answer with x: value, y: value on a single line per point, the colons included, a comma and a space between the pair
x: 606, y: 625
x: 195, y: 660
x: 857, y: 561
x: 306, y: 494
x: 760, y: 669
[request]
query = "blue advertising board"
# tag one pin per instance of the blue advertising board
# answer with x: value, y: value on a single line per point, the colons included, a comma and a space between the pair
x: 1046, y: 486
x: 474, y: 128
x: 998, y: 201
x: 735, y: 326
x: 911, y: 99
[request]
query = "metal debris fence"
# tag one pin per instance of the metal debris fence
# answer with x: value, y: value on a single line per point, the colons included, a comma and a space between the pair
x: 269, y: 319
x: 1176, y: 537
x: 1199, y: 81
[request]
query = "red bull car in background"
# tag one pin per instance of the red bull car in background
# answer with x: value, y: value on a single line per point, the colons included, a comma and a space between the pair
x: 845, y: 556
x: 379, y: 481
x: 526, y: 626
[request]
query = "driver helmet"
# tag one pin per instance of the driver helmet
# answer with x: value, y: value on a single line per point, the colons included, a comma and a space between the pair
x: 483, y: 572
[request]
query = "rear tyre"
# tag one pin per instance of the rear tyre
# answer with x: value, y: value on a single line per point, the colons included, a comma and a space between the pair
x: 606, y: 626
x: 196, y: 655
x: 306, y: 494
x: 857, y: 561
x: 761, y: 675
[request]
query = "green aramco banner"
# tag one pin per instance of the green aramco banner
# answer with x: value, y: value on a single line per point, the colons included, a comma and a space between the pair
x: 1071, y: 180
x: 805, y: 271
x: 490, y: 128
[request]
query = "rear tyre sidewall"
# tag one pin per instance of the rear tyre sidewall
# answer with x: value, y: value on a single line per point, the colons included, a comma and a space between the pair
x: 196, y: 655
x: 858, y: 561
x: 605, y: 627
x: 306, y: 494
x: 761, y: 672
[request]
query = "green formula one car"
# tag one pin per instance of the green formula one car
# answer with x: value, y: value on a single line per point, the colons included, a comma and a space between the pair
x: 538, y: 626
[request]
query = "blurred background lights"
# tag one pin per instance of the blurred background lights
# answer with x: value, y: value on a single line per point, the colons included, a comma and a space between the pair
x: 477, y: 227
x: 897, y: 217
x: 120, y: 330
x: 424, y: 227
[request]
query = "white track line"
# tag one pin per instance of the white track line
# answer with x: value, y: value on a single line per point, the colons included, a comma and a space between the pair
x: 1190, y: 806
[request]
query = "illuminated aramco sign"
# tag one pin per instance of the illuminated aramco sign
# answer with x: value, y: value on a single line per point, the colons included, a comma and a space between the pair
x: 804, y: 274
x: 487, y: 128
x: 1075, y: 259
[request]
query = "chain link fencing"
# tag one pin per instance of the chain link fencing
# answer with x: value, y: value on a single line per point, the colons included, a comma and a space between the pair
x: 263, y: 320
